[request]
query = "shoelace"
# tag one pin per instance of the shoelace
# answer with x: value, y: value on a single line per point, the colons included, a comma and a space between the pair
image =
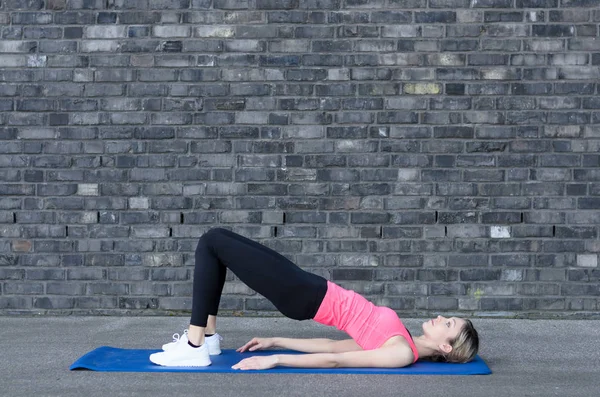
x: 177, y: 337
x: 219, y: 336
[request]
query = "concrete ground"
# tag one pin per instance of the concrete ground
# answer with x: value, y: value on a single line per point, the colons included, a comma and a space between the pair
x: 527, y: 357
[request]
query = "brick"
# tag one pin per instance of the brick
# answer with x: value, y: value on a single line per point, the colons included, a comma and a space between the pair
x: 16, y: 189
x: 104, y: 32
x: 500, y: 232
x: 50, y: 303
x: 501, y: 45
x: 422, y: 89
x: 583, y: 275
x: 551, y: 175
x: 456, y: 74
x: 453, y: 132
x: 537, y: 3
x: 171, y: 31
x: 228, y: 4
x: 588, y: 203
x: 276, y: 4
x: 16, y: 288
x: 576, y: 189
x: 450, y: 104
x: 503, y: 16
x: 553, y: 30
x: 87, y: 189
x: 488, y: 59
x: 580, y: 290
x: 569, y: 118
x: 95, y: 302
x: 457, y: 217
x: 578, y: 3
x: 507, y: 30
x: 149, y: 232
x: 582, y: 72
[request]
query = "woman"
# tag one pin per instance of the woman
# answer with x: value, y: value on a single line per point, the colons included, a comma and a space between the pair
x: 379, y: 339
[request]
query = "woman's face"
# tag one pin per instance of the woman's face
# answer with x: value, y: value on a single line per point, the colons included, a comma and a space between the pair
x: 442, y: 330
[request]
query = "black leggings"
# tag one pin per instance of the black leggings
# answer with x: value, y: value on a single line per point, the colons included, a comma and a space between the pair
x: 296, y: 293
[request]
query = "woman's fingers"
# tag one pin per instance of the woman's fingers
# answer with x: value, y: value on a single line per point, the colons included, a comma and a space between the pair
x: 247, y: 363
x: 243, y: 348
x: 257, y: 346
x: 256, y: 362
x: 249, y: 346
x: 241, y: 365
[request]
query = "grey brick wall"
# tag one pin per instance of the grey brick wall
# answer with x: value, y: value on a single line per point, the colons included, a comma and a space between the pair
x: 434, y: 155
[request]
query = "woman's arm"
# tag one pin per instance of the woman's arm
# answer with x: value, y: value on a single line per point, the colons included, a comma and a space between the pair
x: 386, y: 357
x: 317, y: 345
x: 303, y: 345
x: 317, y: 360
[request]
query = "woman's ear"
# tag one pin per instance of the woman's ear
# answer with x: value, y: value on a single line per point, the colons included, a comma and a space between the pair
x: 445, y: 348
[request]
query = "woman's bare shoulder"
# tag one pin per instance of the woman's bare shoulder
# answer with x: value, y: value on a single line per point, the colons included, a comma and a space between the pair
x: 401, y: 345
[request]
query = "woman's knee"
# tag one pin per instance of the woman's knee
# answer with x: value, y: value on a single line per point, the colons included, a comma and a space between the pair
x: 208, y: 238
x: 215, y: 231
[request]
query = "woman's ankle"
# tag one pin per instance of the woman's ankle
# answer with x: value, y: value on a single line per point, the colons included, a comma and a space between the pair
x: 196, y: 335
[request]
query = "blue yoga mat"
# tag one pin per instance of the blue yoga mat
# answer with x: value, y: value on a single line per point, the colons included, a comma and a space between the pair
x: 136, y: 360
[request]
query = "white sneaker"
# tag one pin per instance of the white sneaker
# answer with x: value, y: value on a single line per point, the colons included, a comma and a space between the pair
x: 213, y: 342
x: 183, y: 355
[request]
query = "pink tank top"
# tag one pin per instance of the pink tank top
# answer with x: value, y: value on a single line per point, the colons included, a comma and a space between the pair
x: 369, y: 325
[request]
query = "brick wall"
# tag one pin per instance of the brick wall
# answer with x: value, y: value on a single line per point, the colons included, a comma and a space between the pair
x: 434, y: 155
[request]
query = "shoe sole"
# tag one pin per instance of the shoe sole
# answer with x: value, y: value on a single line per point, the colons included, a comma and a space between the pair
x: 185, y: 363
x: 191, y: 363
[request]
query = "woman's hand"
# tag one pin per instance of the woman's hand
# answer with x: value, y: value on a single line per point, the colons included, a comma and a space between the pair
x: 257, y: 344
x: 257, y: 362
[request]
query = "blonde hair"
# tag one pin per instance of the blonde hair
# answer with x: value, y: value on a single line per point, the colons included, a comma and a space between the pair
x: 464, y: 347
